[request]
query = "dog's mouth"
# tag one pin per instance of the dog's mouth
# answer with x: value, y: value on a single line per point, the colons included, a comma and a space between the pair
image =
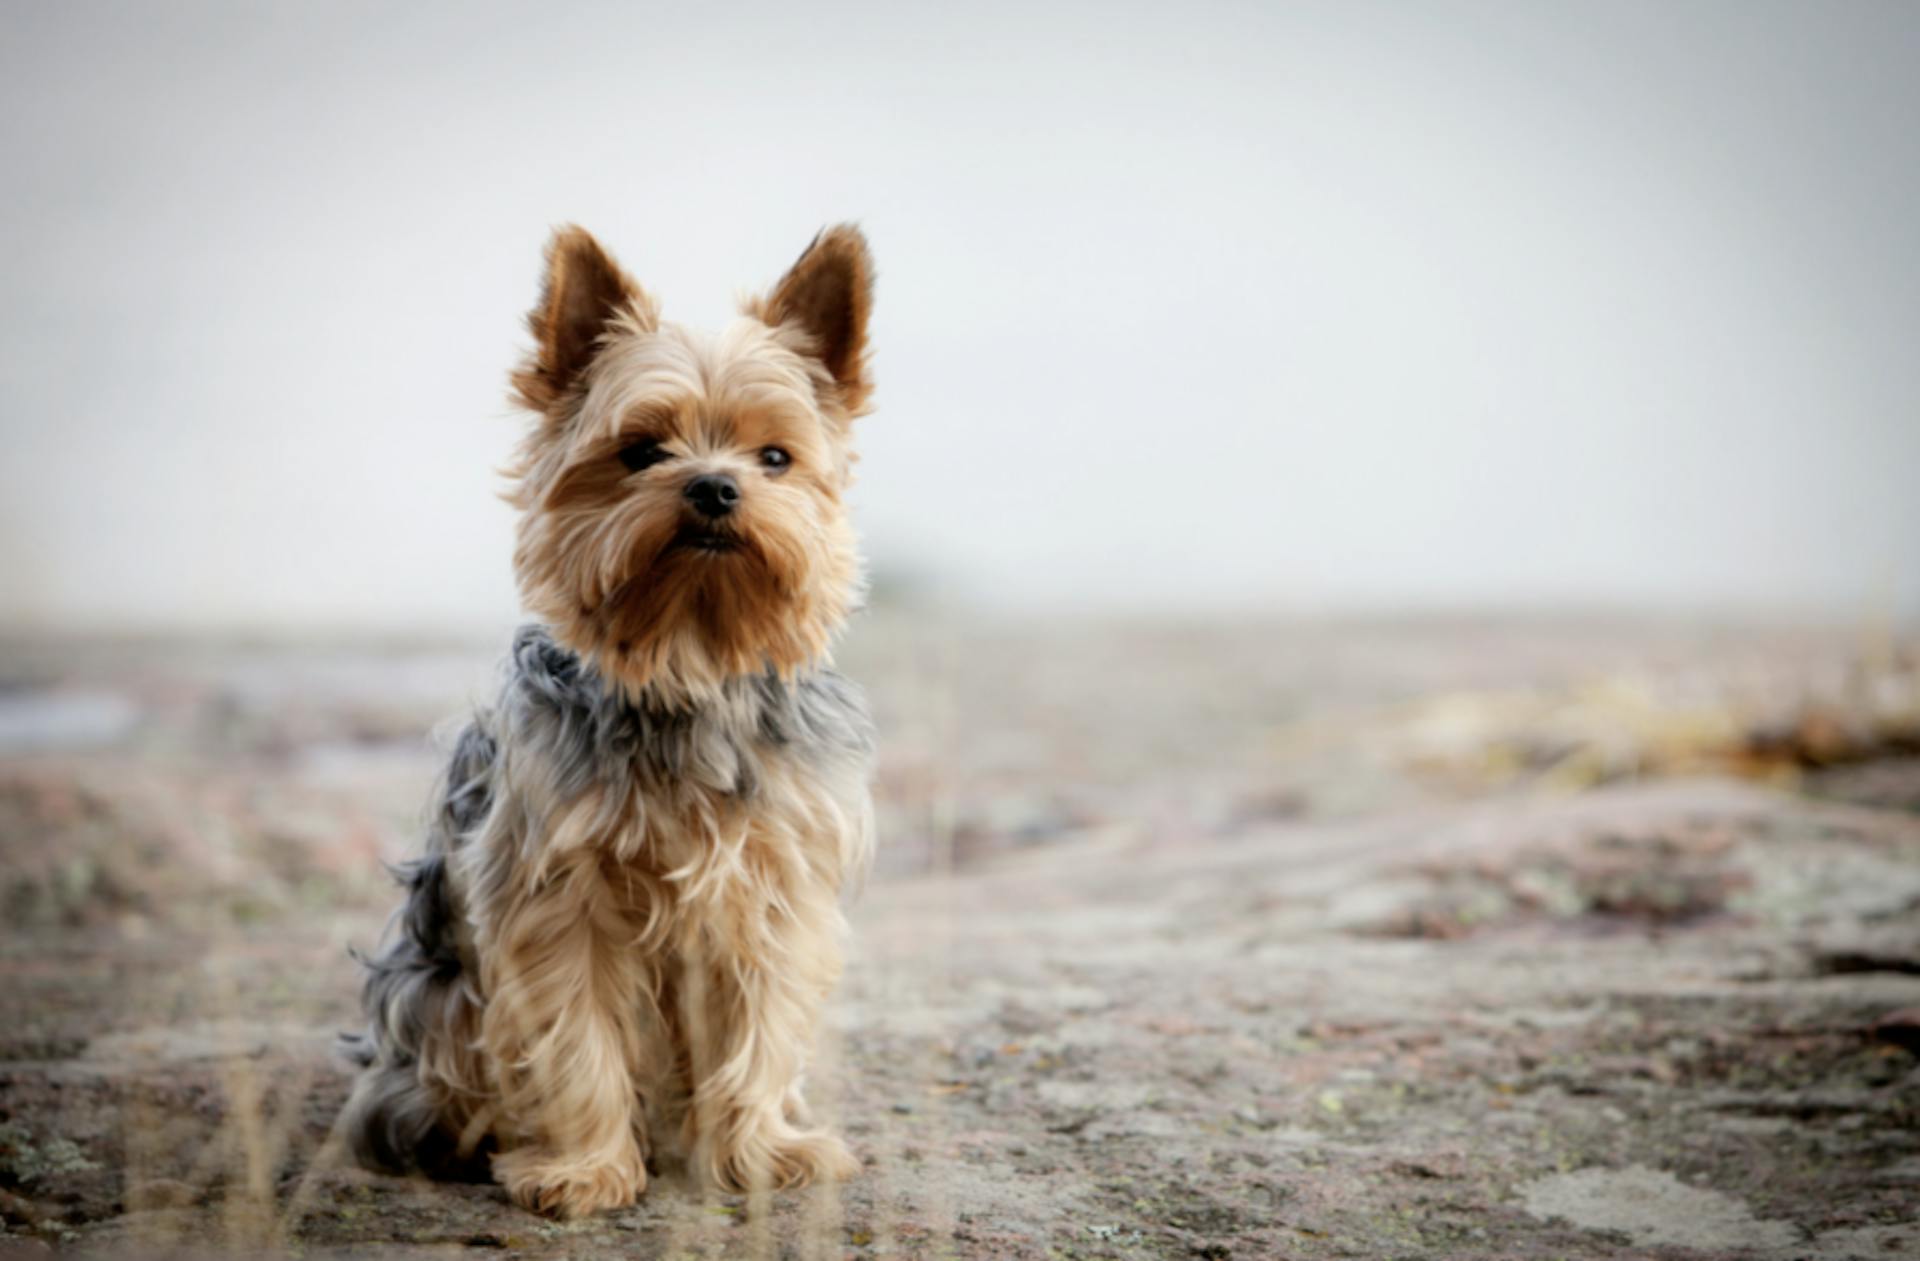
x: 697, y: 538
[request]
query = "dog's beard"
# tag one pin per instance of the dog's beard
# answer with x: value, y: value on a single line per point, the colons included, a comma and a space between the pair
x: 690, y: 583
x: 677, y: 605
x: 706, y: 540
x: 669, y: 603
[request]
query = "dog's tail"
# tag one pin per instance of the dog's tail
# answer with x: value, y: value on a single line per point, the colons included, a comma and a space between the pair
x: 419, y: 1087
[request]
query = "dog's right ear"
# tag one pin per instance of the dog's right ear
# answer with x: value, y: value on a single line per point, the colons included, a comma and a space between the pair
x: 583, y: 293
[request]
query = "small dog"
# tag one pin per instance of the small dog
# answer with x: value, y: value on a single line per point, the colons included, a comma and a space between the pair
x: 627, y: 915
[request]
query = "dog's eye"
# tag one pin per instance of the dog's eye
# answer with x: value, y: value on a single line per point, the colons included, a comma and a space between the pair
x: 642, y: 454
x: 775, y: 459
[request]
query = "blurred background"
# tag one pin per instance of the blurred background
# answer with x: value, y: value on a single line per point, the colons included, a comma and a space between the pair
x: 1393, y: 531
x: 1303, y: 307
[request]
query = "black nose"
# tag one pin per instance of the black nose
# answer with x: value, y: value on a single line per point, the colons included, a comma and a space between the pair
x: 713, y: 494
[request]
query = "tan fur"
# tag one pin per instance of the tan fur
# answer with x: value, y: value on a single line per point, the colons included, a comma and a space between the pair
x: 593, y: 555
x: 594, y: 552
x: 640, y: 972
x: 654, y: 961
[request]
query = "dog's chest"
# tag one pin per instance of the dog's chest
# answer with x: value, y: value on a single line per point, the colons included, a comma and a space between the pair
x: 766, y: 763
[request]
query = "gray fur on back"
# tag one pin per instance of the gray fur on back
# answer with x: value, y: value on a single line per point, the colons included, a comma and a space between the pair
x: 553, y: 707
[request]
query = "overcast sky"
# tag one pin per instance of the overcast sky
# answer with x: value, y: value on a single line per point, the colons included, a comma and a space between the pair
x: 1292, y: 306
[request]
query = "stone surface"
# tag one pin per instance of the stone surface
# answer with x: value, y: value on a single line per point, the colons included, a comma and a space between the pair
x: 1651, y: 1207
x: 1183, y: 947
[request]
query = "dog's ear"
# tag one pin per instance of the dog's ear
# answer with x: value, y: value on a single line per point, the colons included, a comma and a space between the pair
x: 584, y: 291
x: 827, y: 295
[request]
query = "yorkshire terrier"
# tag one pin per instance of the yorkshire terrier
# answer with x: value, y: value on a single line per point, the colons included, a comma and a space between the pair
x: 627, y: 916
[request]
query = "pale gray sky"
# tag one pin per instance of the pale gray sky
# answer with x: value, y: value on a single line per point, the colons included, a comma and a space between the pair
x: 1299, y: 306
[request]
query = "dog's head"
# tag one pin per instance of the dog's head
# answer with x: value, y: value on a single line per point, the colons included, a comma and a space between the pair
x: 681, y: 494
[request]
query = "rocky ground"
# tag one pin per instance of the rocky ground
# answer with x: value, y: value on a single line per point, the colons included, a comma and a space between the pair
x: 1421, y: 940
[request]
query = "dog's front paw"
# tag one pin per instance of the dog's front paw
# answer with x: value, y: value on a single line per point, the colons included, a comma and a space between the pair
x: 561, y: 1187
x: 821, y: 1158
x: 788, y: 1161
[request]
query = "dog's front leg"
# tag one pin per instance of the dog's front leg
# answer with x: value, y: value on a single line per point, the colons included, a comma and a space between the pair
x: 561, y: 1030
x: 757, y: 971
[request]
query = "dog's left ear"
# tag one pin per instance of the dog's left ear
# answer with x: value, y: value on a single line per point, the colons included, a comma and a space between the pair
x: 828, y: 295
